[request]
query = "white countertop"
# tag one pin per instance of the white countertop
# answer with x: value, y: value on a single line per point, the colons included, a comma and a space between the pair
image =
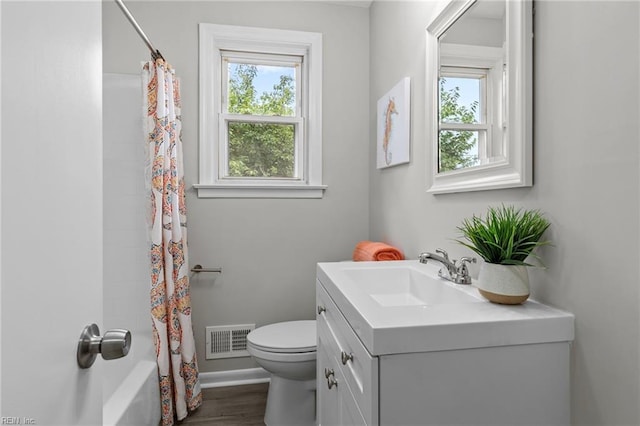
x: 452, y: 322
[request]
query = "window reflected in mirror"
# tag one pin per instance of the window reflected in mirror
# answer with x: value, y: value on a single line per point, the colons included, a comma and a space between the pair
x: 470, y: 99
x: 463, y: 121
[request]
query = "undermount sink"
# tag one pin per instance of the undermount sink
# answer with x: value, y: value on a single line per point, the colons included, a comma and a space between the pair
x: 405, y: 286
x: 404, y: 306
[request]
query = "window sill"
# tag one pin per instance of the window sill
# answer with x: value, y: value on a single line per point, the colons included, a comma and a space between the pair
x: 259, y: 191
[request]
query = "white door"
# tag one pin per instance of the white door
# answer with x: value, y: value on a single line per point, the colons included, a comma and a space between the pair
x: 51, y: 203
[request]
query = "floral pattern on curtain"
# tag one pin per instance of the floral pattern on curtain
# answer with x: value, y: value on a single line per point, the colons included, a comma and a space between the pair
x: 170, y: 291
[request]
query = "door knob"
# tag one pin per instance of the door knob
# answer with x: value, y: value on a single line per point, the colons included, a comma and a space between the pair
x: 114, y: 344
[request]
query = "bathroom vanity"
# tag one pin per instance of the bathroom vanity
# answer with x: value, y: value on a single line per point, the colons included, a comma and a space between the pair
x: 397, y: 345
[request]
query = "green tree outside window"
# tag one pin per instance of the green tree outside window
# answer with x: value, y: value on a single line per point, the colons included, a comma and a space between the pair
x: 455, y: 145
x: 260, y: 149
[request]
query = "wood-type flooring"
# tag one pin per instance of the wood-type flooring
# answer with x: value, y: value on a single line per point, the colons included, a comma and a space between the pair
x: 231, y: 406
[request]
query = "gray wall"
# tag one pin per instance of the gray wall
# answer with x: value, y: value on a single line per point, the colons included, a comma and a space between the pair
x: 267, y: 248
x: 586, y: 134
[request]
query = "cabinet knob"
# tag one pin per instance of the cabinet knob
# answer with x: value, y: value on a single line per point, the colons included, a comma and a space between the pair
x: 331, y: 382
x: 346, y: 357
x: 321, y: 309
x: 328, y: 372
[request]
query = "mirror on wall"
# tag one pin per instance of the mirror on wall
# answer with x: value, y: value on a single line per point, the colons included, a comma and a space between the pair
x: 479, y: 77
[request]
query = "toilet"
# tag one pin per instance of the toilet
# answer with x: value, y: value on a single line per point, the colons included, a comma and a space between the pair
x: 287, y: 350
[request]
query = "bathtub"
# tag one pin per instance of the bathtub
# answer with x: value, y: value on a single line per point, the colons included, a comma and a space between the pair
x: 136, y: 401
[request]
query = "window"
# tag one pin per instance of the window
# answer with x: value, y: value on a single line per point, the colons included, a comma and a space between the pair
x: 470, y: 107
x: 260, y: 113
x: 261, y: 123
x: 464, y: 130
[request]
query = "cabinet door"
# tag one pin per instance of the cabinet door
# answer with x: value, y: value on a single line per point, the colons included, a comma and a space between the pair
x: 349, y: 413
x: 327, y: 399
x: 336, y: 405
x: 361, y: 370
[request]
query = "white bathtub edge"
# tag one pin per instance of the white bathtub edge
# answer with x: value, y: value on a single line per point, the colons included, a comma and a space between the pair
x: 114, y: 411
x: 245, y: 376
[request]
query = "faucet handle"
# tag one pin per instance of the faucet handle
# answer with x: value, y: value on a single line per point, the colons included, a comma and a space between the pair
x: 462, y: 273
x: 462, y: 269
x: 467, y: 260
x: 443, y: 253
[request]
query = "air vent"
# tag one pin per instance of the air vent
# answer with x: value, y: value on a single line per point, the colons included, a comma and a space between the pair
x: 227, y: 341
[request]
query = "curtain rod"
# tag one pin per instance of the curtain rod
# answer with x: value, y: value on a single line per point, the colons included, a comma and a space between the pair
x: 155, y: 53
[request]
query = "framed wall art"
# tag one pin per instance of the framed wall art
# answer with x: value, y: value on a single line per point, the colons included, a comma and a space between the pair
x: 393, y: 126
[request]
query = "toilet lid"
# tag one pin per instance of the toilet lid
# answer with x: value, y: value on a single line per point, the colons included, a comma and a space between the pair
x: 285, y: 337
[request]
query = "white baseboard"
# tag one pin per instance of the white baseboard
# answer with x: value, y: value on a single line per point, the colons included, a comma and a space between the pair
x: 245, y: 376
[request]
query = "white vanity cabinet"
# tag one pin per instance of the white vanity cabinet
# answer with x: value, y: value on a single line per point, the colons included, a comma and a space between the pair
x: 423, y: 366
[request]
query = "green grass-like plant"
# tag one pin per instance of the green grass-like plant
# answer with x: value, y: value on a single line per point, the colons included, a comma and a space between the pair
x: 507, y: 235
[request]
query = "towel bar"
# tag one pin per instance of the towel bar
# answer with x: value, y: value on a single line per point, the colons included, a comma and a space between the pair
x: 199, y: 268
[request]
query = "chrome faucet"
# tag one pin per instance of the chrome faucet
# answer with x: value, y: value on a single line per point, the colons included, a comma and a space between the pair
x: 451, y: 270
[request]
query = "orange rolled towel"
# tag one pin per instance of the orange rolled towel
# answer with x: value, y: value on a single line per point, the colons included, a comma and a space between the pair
x: 372, y: 250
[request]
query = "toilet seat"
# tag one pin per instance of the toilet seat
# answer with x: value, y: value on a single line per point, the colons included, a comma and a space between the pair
x: 288, y: 357
x: 291, y: 337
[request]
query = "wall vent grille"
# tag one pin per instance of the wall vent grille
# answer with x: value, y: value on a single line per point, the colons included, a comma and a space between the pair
x: 227, y: 341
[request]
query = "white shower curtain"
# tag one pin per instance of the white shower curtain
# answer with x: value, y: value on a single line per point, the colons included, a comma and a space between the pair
x: 170, y: 291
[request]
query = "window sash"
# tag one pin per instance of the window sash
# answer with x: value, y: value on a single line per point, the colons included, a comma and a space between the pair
x: 299, y: 147
x: 226, y: 118
x: 484, y: 128
x: 292, y: 61
x: 480, y: 74
x: 464, y: 126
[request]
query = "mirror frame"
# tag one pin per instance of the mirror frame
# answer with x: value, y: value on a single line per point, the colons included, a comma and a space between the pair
x: 516, y: 169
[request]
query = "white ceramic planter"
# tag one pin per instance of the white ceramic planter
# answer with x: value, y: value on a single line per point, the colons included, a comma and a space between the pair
x: 505, y: 284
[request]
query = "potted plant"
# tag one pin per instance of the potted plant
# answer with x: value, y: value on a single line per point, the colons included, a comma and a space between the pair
x: 506, y: 238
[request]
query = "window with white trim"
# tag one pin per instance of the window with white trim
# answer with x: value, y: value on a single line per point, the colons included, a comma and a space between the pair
x: 464, y: 128
x: 260, y: 113
x: 471, y: 125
